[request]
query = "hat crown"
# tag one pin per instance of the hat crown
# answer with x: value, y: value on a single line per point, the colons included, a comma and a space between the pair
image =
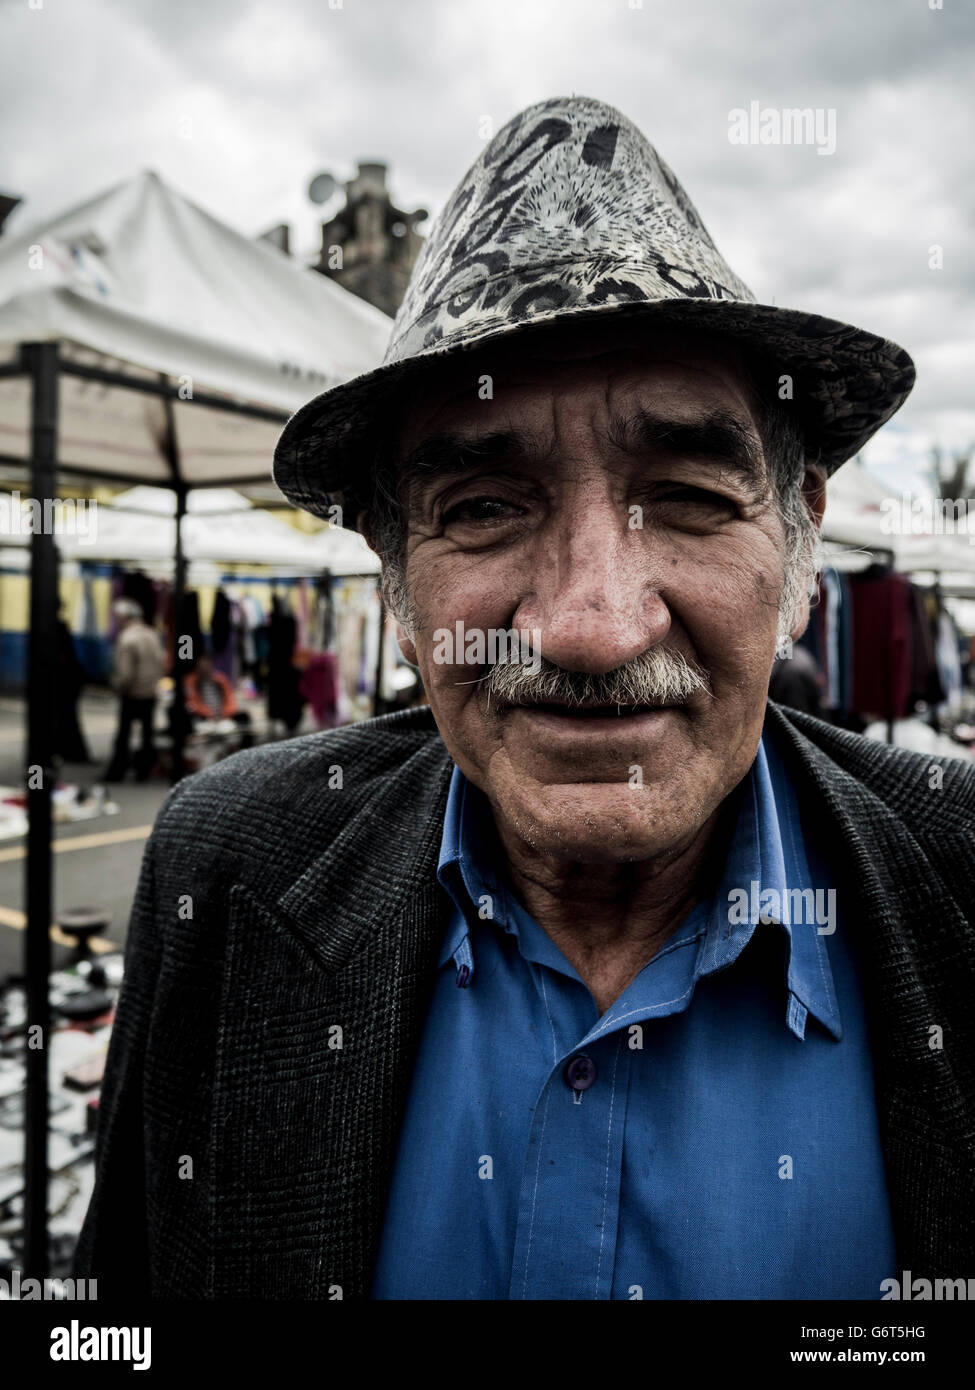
x: 570, y: 217
x: 568, y: 206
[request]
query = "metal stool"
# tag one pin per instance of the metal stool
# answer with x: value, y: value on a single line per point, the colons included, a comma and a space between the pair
x: 81, y: 924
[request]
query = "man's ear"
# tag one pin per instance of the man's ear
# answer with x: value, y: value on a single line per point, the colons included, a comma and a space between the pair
x: 403, y: 638
x: 406, y: 645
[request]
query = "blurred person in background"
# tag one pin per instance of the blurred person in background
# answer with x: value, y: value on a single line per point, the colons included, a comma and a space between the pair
x: 69, y: 741
x: 209, y: 695
x: 137, y: 668
x: 795, y: 681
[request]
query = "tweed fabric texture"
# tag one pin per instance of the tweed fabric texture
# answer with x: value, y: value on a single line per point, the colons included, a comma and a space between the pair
x: 570, y: 214
x: 273, y: 909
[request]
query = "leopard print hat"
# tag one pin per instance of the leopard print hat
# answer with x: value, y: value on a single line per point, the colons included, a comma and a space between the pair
x: 570, y: 213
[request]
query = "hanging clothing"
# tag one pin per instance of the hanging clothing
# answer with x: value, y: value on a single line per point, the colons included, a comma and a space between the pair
x: 284, y: 699
x: 948, y: 658
x: 87, y: 625
x: 845, y: 642
x: 925, y: 680
x: 832, y: 599
x: 326, y: 628
x: 251, y: 620
x: 320, y: 686
x: 221, y: 647
x: 67, y: 739
x: 188, y: 625
x: 882, y: 607
x: 303, y: 623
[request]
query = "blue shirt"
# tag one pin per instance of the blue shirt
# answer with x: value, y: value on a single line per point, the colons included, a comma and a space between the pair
x: 718, y: 1137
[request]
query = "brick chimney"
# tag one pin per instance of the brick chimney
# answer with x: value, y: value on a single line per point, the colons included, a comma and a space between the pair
x: 370, y: 246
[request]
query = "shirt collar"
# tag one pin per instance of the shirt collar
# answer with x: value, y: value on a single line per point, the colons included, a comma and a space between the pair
x: 468, y: 848
x: 766, y: 881
x: 767, y: 885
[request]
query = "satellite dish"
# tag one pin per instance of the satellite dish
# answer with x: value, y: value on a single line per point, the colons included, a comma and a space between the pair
x: 321, y: 188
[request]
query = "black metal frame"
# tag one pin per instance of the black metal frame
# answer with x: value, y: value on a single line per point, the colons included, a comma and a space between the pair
x: 41, y: 361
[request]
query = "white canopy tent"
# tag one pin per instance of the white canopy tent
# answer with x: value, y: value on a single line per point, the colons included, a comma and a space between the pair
x: 946, y: 555
x: 220, y: 527
x: 140, y: 279
x: 864, y: 515
x: 343, y: 552
x: 142, y: 340
x: 854, y: 514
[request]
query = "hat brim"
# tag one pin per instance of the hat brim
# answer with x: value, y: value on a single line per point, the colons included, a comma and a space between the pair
x: 845, y: 384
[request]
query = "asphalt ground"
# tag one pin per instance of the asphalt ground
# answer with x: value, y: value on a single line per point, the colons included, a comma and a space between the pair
x: 95, y: 862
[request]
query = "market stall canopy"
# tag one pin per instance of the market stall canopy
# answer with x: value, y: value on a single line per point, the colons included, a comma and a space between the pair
x: 141, y: 280
x: 343, y: 551
x: 855, y: 510
x: 948, y: 555
x: 862, y: 512
x: 220, y: 525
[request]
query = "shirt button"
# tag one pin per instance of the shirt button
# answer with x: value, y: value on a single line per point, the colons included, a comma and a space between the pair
x: 580, y: 1072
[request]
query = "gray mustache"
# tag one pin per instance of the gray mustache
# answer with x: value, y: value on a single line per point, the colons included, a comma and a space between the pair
x: 658, y: 676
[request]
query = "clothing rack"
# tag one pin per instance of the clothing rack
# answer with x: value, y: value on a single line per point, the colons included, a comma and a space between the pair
x: 883, y: 644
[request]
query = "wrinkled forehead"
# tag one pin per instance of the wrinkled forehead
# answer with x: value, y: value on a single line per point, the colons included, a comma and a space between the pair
x: 687, y: 369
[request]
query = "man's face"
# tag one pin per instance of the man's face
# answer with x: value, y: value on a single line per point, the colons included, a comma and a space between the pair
x: 617, y: 502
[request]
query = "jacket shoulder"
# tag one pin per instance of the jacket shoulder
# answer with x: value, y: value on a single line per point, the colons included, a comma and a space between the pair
x: 282, y: 797
x: 930, y: 792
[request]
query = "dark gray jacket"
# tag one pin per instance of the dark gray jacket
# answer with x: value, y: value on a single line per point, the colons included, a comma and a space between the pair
x: 243, y: 1153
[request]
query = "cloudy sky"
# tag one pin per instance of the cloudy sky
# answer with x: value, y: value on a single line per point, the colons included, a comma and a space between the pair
x: 237, y: 103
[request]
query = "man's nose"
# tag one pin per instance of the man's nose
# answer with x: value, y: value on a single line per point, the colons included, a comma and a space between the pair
x: 595, y: 587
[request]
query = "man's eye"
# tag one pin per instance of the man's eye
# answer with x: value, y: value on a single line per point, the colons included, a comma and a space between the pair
x: 694, y: 497
x: 479, y: 509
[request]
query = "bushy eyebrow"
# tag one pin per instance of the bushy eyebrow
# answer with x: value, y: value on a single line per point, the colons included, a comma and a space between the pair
x: 441, y: 455
x: 445, y: 455
x: 717, y: 436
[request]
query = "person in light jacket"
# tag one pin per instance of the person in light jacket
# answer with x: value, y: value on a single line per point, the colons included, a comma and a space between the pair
x: 137, y: 668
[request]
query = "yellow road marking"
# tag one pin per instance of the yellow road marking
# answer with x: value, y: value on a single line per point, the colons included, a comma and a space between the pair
x: 102, y: 837
x: 10, y: 917
x: 104, y: 725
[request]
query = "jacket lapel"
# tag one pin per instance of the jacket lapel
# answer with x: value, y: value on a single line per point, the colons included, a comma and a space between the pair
x: 917, y: 979
x: 323, y: 997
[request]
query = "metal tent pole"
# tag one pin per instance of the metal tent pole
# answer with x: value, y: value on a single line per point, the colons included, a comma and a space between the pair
x: 179, y: 593
x: 41, y: 362
x: 171, y: 450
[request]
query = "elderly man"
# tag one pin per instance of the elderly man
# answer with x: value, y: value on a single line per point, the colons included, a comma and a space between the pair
x: 602, y: 978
